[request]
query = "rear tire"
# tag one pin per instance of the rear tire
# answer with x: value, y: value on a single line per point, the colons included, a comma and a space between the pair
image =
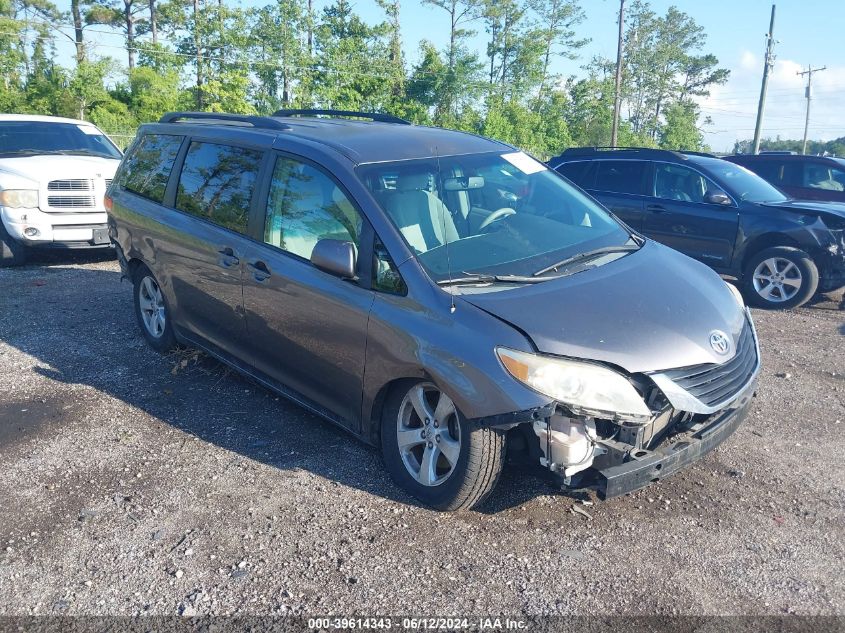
x: 152, y: 312
x: 447, y: 463
x: 780, y: 278
x: 12, y: 252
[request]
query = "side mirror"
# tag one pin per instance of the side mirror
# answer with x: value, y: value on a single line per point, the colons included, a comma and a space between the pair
x: 336, y: 257
x: 718, y: 197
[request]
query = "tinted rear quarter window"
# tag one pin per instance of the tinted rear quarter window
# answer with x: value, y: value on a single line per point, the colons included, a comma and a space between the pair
x: 621, y: 176
x: 217, y: 182
x: 147, y: 167
x: 771, y: 170
x: 578, y: 172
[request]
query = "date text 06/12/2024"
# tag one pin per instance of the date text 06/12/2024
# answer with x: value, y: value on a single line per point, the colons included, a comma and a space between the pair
x: 417, y: 623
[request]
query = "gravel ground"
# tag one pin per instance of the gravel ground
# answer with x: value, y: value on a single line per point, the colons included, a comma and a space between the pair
x: 134, y: 483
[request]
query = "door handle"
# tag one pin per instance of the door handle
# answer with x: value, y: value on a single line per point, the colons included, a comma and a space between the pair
x: 656, y: 208
x: 259, y: 270
x: 227, y: 257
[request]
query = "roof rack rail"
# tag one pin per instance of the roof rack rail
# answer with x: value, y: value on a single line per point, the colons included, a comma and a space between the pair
x: 223, y: 117
x: 575, y: 151
x: 373, y: 116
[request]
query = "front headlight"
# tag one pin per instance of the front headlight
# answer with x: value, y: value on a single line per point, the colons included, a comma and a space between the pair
x: 737, y: 294
x: 585, y: 388
x: 19, y: 198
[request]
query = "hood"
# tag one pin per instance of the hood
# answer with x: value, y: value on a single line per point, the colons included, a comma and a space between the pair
x: 813, y: 206
x: 42, y: 168
x: 651, y: 310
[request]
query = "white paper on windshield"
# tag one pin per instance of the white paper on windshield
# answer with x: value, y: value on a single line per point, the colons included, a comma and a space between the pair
x: 87, y: 129
x: 524, y: 163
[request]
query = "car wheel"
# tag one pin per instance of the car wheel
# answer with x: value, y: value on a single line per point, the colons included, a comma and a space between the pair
x: 152, y: 312
x: 432, y: 452
x: 12, y: 253
x: 780, y: 278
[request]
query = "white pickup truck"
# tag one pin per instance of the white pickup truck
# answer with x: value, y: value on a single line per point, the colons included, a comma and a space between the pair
x: 54, y: 173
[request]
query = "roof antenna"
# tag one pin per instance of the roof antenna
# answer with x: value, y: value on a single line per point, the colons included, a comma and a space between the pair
x: 438, y: 183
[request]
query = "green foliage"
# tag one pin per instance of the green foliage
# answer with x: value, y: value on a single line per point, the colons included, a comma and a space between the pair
x: 836, y: 147
x: 680, y: 131
x: 219, y: 56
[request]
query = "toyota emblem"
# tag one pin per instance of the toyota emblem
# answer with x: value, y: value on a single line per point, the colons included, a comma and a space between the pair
x: 720, y: 342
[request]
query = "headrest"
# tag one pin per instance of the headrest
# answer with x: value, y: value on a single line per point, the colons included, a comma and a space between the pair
x: 413, y: 181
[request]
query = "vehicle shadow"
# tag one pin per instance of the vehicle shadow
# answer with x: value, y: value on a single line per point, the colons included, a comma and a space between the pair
x: 90, y: 337
x: 52, y: 257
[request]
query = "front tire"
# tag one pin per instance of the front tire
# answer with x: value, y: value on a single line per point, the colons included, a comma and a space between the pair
x: 12, y: 252
x: 780, y: 278
x: 432, y: 452
x: 152, y: 312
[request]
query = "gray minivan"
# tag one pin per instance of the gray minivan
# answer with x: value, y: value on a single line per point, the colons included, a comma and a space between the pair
x: 439, y: 294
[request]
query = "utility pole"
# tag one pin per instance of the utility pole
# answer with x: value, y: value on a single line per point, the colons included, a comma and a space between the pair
x: 617, y: 99
x: 809, y: 94
x: 768, y: 64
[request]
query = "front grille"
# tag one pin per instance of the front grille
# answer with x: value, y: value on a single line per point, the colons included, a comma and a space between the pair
x: 713, y: 384
x: 77, y: 184
x: 70, y: 202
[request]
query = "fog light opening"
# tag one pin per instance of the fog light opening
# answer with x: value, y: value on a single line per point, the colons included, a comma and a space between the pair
x: 31, y: 231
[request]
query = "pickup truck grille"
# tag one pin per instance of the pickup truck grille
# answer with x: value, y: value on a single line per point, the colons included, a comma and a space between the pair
x: 71, y: 202
x: 713, y: 384
x: 70, y: 185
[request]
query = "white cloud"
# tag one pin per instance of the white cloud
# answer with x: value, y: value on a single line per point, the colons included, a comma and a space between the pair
x: 733, y: 107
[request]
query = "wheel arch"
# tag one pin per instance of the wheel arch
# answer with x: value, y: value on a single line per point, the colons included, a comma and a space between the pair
x: 372, y: 430
x: 133, y: 265
x: 762, y: 242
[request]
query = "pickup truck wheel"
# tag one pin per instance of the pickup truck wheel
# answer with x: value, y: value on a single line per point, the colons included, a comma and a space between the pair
x: 780, y: 278
x: 12, y: 253
x: 431, y: 451
x: 152, y: 312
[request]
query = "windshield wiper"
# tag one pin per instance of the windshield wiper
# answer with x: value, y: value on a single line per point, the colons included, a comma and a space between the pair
x: 476, y: 278
x: 77, y: 152
x: 580, y: 257
x: 20, y: 152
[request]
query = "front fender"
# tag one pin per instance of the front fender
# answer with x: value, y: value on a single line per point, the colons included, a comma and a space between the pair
x: 408, y: 338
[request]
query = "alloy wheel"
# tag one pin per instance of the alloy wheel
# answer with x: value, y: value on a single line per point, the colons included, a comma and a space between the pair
x: 777, y: 279
x: 153, y: 312
x: 428, y: 434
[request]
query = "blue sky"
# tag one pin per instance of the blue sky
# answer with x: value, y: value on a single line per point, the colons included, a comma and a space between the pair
x: 809, y: 32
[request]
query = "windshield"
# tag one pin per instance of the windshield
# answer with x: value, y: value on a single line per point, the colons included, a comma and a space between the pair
x: 494, y: 214
x: 25, y: 138
x: 744, y: 184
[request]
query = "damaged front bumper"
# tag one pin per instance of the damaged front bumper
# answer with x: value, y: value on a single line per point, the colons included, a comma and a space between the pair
x: 649, y: 466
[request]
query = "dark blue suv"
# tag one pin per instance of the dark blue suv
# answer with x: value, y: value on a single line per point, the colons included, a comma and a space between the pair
x: 783, y: 251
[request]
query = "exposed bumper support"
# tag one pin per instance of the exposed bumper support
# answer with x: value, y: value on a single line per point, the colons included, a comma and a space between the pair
x: 509, y: 420
x: 672, y: 457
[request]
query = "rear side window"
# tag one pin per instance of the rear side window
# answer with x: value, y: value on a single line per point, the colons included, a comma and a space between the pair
x: 621, y: 176
x: 217, y: 182
x: 823, y: 176
x: 767, y: 169
x: 578, y: 172
x: 147, y: 167
x: 304, y: 206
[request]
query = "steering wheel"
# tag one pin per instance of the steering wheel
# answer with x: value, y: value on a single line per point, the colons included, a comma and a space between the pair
x: 497, y: 215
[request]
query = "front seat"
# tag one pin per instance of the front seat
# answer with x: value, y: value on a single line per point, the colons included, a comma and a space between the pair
x: 422, y: 218
x: 670, y: 187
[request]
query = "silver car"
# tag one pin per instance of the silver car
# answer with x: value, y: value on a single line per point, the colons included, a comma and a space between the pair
x: 441, y: 295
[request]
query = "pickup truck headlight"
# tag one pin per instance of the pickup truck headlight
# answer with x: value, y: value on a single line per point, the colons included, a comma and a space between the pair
x: 19, y: 198
x: 585, y: 388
